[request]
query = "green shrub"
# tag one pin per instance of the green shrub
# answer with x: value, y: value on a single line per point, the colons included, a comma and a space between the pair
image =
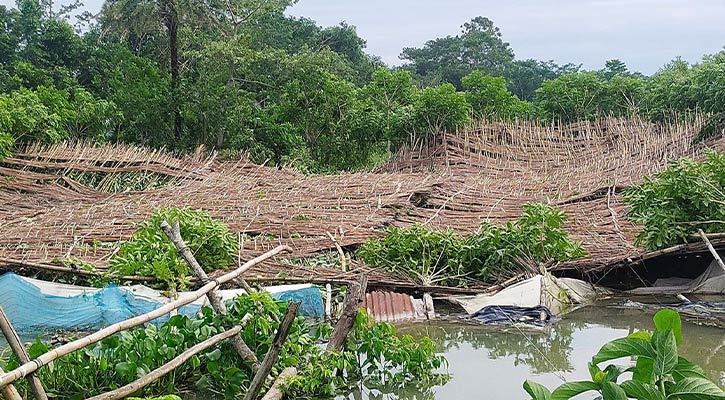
x: 676, y: 202
x: 151, y: 253
x: 658, y: 372
x: 6, y: 145
x: 431, y: 257
x: 535, y: 238
x: 427, y: 256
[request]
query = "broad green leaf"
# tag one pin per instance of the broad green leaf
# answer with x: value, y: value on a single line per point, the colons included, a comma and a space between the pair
x: 642, y: 391
x: 536, y: 391
x: 571, y: 389
x: 666, y: 352
x: 624, y: 347
x: 612, y: 391
x: 695, y: 389
x: 669, y: 320
x: 687, y: 369
x: 643, y: 371
x: 641, y: 335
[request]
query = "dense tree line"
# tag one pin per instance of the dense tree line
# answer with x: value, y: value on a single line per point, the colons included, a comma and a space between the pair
x: 241, y: 76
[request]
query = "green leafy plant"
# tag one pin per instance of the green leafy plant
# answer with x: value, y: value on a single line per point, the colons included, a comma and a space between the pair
x: 429, y: 257
x: 151, y: 253
x: 432, y: 257
x: 374, y: 352
x: 658, y: 372
x: 672, y: 205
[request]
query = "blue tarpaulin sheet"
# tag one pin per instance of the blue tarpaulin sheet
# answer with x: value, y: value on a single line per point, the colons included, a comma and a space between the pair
x: 31, y: 310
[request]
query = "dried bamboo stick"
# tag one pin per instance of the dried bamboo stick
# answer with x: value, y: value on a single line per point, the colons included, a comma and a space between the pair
x: 55, y: 268
x: 271, y: 358
x: 343, y: 259
x: 9, y: 392
x: 17, y: 347
x: 275, y: 392
x: 60, y: 351
x: 138, y: 384
x: 215, y: 299
x: 711, y: 248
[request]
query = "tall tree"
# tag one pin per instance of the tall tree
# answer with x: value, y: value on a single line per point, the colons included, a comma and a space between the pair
x: 138, y: 21
x: 480, y: 46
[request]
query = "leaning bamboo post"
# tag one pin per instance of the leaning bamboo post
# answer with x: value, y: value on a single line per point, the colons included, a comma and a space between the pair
x: 271, y: 358
x: 711, y: 248
x: 9, y: 392
x: 17, y: 347
x: 152, y: 376
x: 174, y: 234
x: 33, y: 365
x: 343, y: 259
x: 353, y: 298
x: 276, y: 392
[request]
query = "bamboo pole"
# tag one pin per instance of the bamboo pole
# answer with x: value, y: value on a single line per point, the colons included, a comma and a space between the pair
x: 17, y: 347
x: 60, y: 351
x: 9, y: 392
x: 55, y: 268
x: 215, y: 299
x: 711, y: 248
x: 271, y: 358
x: 353, y: 299
x: 275, y: 392
x: 136, y: 385
x: 343, y: 259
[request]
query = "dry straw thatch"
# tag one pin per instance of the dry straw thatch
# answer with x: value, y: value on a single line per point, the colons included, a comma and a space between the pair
x: 456, y: 182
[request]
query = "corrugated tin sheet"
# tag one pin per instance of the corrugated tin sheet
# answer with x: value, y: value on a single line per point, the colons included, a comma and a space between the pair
x: 394, y: 307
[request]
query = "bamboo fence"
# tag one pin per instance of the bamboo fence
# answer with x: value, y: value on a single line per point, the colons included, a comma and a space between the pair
x: 456, y: 181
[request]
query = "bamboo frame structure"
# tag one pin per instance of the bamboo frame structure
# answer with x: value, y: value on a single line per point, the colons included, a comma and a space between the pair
x: 32, y: 366
x: 455, y: 181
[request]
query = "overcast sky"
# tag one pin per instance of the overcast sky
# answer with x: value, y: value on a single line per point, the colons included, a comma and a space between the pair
x: 644, y: 33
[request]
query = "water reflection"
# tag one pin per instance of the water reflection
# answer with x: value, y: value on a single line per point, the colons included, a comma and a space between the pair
x: 492, y: 364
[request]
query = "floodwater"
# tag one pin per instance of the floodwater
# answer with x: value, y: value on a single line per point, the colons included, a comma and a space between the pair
x: 493, y: 364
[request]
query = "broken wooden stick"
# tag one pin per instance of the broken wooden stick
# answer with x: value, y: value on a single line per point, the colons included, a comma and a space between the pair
x: 215, y: 299
x: 9, y: 392
x: 17, y: 347
x: 343, y: 259
x: 152, y: 376
x: 60, y: 351
x: 711, y: 248
x: 271, y: 358
x: 275, y: 392
x: 353, y: 299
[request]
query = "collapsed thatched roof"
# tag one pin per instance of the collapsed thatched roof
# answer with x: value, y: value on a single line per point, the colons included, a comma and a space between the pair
x: 457, y: 182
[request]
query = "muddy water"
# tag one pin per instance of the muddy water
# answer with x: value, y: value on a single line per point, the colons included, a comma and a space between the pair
x: 487, y: 364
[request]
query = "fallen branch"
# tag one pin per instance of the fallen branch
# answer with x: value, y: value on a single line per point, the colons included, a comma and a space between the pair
x: 174, y: 234
x: 136, y: 385
x: 271, y: 358
x: 275, y: 392
x: 32, y: 366
x: 351, y: 304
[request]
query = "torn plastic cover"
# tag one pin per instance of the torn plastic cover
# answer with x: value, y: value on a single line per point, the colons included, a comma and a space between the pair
x: 497, y: 315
